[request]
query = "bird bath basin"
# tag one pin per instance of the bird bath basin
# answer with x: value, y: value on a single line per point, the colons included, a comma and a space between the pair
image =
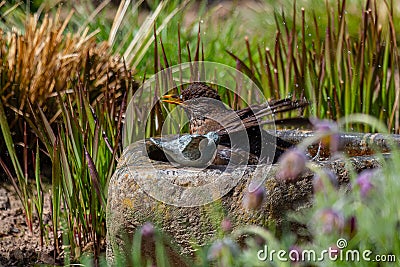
x: 130, y: 204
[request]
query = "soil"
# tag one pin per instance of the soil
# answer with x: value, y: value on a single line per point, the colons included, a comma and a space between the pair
x: 18, y: 245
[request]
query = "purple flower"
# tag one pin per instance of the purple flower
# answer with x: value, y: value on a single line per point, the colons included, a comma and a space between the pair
x: 319, y: 181
x: 295, y: 254
x: 330, y: 220
x: 364, y: 182
x: 221, y: 247
x: 226, y: 225
x: 215, y: 251
x: 351, y: 226
x: 147, y: 230
x: 334, y: 252
x: 254, y: 198
x: 329, y: 129
x: 292, y: 163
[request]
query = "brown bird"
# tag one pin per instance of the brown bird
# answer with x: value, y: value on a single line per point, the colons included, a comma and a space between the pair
x: 239, y: 131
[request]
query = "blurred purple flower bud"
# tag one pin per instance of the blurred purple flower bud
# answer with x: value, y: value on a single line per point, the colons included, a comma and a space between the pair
x: 334, y: 251
x: 226, y: 225
x: 319, y: 181
x: 147, y: 230
x: 324, y: 125
x: 295, y: 254
x: 222, y: 247
x: 351, y: 226
x: 254, y: 198
x: 364, y: 181
x: 259, y: 241
x: 330, y: 130
x: 330, y: 220
x: 292, y: 163
x: 215, y: 251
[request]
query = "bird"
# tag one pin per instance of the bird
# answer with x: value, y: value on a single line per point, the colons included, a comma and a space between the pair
x: 207, y: 113
x: 191, y: 150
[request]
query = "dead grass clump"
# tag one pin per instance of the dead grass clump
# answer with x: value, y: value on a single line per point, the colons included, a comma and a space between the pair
x: 44, y: 60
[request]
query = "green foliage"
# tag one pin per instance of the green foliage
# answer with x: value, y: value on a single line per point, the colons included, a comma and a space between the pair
x: 85, y: 148
x: 323, y: 60
x: 21, y: 182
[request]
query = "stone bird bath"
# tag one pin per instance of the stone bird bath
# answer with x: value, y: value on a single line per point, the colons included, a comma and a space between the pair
x: 129, y: 206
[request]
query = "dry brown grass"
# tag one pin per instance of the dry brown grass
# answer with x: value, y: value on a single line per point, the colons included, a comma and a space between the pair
x: 44, y: 60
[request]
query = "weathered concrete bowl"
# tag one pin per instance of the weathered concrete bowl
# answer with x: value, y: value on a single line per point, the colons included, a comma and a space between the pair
x: 129, y: 206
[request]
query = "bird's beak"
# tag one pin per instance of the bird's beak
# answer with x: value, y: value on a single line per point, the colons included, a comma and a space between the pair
x: 173, y: 99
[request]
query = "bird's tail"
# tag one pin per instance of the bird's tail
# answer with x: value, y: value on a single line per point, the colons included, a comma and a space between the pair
x: 254, y: 116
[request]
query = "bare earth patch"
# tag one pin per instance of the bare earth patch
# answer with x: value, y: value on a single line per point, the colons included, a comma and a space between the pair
x: 18, y: 246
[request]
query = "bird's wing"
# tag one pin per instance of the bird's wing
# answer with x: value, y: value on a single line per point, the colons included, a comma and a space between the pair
x: 251, y: 116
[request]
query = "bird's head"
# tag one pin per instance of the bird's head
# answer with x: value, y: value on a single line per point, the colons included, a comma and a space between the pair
x: 196, y: 99
x: 199, y: 89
